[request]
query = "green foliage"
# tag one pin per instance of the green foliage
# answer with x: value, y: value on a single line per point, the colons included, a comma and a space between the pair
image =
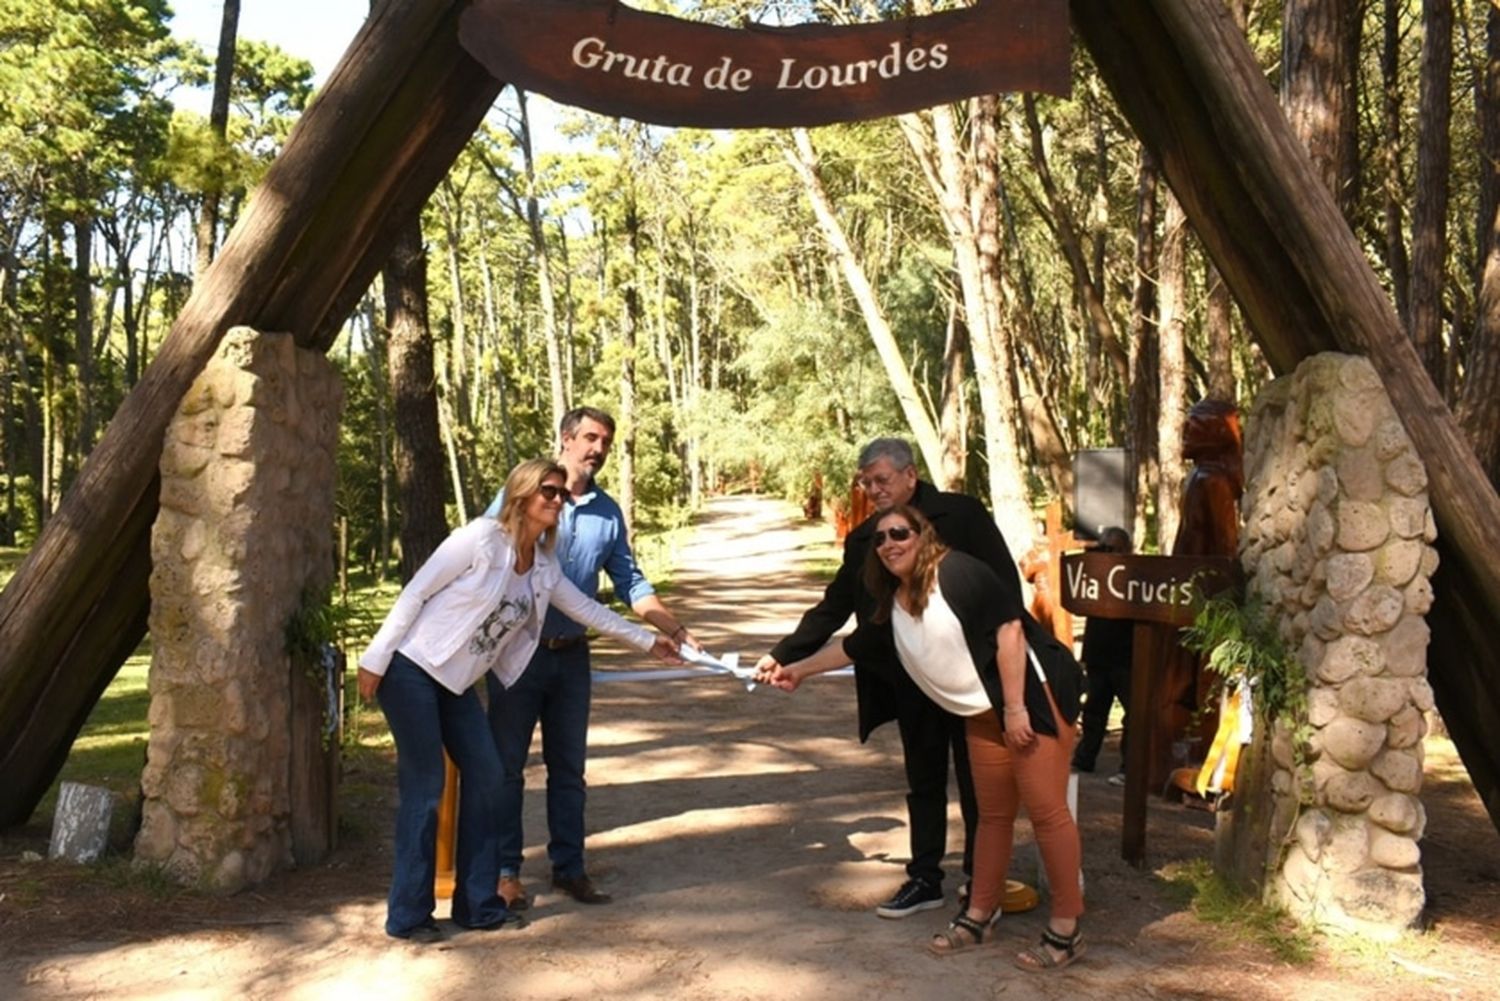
x: 10, y: 558
x: 1213, y: 900
x: 1244, y: 647
x: 314, y: 625
x: 119, y: 874
x: 110, y: 750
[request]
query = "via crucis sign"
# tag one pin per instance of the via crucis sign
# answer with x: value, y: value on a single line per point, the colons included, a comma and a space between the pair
x: 1163, y: 589
x: 610, y: 58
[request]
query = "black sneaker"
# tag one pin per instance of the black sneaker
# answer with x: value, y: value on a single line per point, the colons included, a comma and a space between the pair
x: 426, y: 933
x: 915, y: 895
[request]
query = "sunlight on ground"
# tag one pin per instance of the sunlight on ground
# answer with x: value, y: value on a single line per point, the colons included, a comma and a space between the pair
x: 620, y: 734
x: 1441, y: 762
x: 668, y: 763
x: 697, y: 823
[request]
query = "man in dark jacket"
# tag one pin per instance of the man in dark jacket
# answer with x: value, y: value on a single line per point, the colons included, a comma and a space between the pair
x: 888, y: 474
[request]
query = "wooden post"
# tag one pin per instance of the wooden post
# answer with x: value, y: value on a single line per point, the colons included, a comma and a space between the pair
x: 447, y: 832
x: 1145, y: 673
x: 1157, y: 592
x: 1059, y: 541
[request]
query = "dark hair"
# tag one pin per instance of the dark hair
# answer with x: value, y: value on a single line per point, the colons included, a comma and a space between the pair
x: 578, y: 415
x: 898, y: 450
x: 1115, y: 539
x: 883, y: 584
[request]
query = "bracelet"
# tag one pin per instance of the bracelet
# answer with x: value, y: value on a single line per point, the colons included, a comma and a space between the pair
x: 1015, y: 710
x: 680, y: 629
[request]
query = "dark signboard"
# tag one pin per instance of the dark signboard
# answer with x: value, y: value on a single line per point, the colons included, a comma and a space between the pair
x: 1145, y: 588
x: 610, y: 58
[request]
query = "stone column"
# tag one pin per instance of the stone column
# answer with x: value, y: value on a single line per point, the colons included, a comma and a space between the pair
x: 1338, y: 533
x: 244, y: 536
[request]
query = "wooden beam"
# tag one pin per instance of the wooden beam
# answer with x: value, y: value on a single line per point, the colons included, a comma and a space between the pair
x: 1185, y: 77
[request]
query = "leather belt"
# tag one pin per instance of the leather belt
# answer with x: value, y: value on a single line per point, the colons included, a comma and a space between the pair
x: 564, y: 642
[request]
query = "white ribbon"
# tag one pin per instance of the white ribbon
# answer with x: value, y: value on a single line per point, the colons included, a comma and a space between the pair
x: 710, y: 665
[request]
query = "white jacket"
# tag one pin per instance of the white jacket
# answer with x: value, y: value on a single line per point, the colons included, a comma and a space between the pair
x: 449, y: 597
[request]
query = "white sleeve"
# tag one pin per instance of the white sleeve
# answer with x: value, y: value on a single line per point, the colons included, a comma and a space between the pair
x: 453, y: 557
x: 587, y: 612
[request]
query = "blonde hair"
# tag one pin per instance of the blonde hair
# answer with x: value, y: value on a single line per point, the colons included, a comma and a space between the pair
x: 524, y: 483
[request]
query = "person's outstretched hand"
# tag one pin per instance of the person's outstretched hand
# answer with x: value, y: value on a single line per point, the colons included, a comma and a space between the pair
x: 664, y: 648
x: 769, y: 671
x: 765, y: 668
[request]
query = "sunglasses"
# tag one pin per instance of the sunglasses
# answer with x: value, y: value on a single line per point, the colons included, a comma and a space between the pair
x: 551, y: 491
x: 900, y: 533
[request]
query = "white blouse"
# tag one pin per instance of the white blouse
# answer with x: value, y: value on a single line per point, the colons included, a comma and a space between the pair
x: 933, y: 651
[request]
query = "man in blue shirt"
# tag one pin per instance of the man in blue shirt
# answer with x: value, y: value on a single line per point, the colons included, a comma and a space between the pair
x: 555, y: 689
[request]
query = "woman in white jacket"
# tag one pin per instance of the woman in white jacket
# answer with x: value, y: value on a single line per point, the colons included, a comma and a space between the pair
x: 476, y: 605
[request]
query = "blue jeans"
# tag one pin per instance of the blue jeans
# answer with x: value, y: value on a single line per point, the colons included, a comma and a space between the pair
x: 555, y: 690
x: 425, y: 718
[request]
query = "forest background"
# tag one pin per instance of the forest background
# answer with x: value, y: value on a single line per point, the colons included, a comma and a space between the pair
x: 1004, y: 281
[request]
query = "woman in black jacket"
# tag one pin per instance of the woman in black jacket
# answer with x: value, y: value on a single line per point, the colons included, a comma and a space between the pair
x: 967, y: 642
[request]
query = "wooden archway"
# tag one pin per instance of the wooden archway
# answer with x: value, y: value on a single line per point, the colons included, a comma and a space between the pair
x: 394, y: 115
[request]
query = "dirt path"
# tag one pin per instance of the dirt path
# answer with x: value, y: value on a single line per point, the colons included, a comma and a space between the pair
x: 746, y: 836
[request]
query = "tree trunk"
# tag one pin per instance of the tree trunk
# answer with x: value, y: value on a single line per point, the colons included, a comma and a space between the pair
x: 492, y: 331
x: 693, y: 376
x: 803, y: 159
x: 418, y: 446
x: 218, y: 124
x: 630, y: 323
x: 1315, y: 85
x: 1221, y: 381
x: 1145, y: 384
x: 543, y: 271
x: 83, y: 332
x: 1037, y: 417
x: 952, y: 414
x: 1171, y: 335
x: 1478, y: 409
x: 1429, y: 222
x: 1393, y: 188
x: 1090, y: 298
x: 933, y: 137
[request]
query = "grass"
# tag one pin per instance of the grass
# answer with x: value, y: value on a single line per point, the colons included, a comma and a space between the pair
x: 110, y: 750
x: 10, y: 559
x: 1195, y: 885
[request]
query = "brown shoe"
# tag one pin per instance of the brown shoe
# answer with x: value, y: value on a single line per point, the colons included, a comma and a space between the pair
x: 581, y: 889
x: 513, y: 893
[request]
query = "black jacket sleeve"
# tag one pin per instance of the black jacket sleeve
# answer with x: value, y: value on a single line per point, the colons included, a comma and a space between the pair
x: 840, y: 600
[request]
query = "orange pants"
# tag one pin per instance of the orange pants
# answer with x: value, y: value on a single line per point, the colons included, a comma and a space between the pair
x: 1005, y: 780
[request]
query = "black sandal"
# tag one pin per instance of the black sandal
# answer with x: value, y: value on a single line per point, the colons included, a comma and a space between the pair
x: 962, y: 934
x: 1039, y: 958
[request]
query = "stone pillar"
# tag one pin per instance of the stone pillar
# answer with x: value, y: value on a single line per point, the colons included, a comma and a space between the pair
x: 1338, y: 533
x: 245, y: 531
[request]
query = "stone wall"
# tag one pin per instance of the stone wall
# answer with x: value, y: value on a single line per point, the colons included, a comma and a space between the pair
x: 244, y: 531
x: 1338, y: 533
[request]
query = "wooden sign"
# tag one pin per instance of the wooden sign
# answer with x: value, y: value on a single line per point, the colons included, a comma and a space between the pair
x: 612, y: 59
x: 1149, y: 589
x: 1162, y: 589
